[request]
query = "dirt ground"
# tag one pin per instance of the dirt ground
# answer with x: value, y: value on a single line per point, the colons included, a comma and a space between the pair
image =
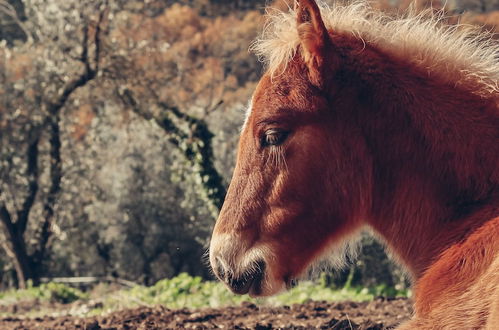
x: 378, y: 314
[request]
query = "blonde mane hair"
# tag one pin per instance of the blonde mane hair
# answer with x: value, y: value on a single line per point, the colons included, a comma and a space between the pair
x: 460, y: 54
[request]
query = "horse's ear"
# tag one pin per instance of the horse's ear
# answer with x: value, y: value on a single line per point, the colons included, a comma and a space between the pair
x: 314, y: 38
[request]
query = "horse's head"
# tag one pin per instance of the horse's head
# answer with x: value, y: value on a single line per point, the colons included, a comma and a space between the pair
x: 297, y: 189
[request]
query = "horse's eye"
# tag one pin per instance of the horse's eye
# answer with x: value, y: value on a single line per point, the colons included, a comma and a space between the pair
x: 273, y: 137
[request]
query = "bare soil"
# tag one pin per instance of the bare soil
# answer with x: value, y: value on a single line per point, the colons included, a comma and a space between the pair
x: 378, y: 314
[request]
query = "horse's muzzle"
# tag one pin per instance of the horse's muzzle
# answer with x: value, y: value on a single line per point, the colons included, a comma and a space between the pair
x: 250, y: 281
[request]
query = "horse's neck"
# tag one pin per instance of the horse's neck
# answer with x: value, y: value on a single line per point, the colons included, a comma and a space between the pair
x: 434, y: 151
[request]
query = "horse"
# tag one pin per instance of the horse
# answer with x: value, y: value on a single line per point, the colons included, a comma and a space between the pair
x: 363, y: 120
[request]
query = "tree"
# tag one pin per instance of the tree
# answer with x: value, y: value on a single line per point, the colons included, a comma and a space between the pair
x: 38, y: 122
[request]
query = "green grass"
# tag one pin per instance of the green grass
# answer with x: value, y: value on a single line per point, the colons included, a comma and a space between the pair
x: 186, y: 291
x: 49, y: 292
x: 182, y: 291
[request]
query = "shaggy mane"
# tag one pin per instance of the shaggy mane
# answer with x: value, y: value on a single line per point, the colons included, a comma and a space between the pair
x: 451, y: 51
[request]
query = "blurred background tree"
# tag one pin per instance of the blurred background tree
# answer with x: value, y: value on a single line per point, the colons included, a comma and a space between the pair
x: 119, y: 123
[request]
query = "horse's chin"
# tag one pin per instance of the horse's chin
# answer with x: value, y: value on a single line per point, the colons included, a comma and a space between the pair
x: 267, y: 290
x: 268, y: 286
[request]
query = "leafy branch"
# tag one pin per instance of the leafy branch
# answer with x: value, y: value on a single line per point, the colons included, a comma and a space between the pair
x: 194, y: 143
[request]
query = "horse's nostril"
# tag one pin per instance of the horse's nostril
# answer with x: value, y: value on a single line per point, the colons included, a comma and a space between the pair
x: 251, y: 279
x: 219, y: 270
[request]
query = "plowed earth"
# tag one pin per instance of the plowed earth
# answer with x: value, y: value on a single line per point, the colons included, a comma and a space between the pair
x: 378, y: 314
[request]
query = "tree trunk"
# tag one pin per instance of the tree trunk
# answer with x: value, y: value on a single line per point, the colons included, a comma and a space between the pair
x: 15, y: 247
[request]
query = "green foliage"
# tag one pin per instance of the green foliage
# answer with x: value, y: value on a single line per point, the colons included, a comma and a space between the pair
x: 388, y: 291
x: 61, y: 293
x: 185, y: 291
x: 53, y: 292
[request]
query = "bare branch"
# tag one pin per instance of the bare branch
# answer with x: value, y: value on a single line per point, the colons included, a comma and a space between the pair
x: 32, y: 174
x: 84, y: 50
x: 103, y: 15
x: 88, y: 73
x: 10, y: 11
x: 55, y: 186
x: 15, y: 247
